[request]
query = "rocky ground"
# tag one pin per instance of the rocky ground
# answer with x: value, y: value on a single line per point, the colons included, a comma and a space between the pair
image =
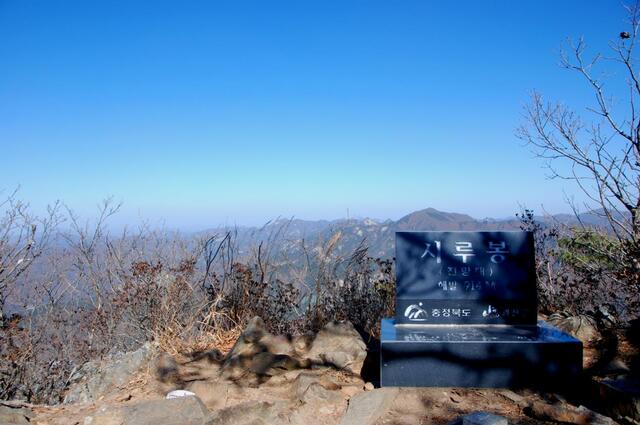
x: 267, y: 379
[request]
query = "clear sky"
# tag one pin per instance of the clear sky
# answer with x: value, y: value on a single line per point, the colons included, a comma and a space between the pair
x: 221, y: 112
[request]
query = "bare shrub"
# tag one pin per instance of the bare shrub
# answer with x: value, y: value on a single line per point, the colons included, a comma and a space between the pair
x: 581, y: 270
x: 600, y: 154
x: 360, y: 289
x: 23, y: 238
x: 96, y: 292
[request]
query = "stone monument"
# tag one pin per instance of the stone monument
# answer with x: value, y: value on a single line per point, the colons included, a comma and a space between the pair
x: 466, y: 316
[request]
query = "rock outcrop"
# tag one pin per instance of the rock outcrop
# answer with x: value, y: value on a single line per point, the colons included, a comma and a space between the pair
x: 366, y: 408
x: 261, y: 355
x: 15, y: 415
x: 338, y: 344
x: 96, y: 378
x: 272, y: 380
x: 178, y: 411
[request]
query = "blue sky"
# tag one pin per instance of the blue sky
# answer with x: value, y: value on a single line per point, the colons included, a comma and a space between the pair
x: 208, y: 113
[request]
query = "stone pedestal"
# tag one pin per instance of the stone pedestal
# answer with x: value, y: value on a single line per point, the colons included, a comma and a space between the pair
x: 478, y: 356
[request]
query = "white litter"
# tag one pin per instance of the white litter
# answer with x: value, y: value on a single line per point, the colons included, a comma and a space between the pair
x: 179, y: 393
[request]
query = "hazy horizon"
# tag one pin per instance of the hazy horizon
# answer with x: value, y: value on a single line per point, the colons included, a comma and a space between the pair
x: 122, y: 219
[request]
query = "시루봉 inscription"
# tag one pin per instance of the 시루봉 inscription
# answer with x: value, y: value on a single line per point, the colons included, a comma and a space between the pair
x: 465, y: 278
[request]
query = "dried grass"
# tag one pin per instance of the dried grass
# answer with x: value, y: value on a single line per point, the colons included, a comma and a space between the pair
x: 185, y: 296
x: 210, y: 333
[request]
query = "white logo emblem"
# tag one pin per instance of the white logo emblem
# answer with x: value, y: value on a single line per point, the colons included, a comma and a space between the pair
x: 416, y: 313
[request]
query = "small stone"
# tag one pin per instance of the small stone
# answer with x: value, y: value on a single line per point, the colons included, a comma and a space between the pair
x: 483, y: 418
x: 369, y: 386
x: 516, y: 398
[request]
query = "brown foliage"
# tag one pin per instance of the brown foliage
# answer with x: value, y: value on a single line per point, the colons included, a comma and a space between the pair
x: 100, y: 294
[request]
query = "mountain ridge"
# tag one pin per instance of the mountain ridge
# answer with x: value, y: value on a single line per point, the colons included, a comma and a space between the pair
x: 379, y: 236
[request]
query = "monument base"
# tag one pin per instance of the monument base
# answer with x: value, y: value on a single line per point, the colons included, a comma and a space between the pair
x: 478, y: 356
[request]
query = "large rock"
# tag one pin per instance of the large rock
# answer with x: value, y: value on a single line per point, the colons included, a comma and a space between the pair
x: 15, y: 415
x: 97, y: 378
x: 259, y: 353
x: 338, y: 344
x: 249, y: 343
x: 366, y: 408
x: 178, y: 411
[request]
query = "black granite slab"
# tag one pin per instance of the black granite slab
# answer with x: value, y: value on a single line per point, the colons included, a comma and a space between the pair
x: 474, y: 356
x: 465, y: 278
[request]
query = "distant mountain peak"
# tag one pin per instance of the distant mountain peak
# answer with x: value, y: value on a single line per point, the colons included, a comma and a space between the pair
x: 433, y: 219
